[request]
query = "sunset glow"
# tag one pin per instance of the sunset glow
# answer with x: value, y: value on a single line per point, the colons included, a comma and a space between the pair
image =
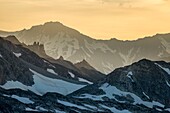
x: 100, y: 19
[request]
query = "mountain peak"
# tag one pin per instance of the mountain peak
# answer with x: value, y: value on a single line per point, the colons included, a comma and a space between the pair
x: 61, y: 58
x: 144, y: 60
x: 12, y: 39
x: 145, y: 63
x: 49, y: 25
x: 84, y: 61
x: 84, y: 64
x: 52, y: 23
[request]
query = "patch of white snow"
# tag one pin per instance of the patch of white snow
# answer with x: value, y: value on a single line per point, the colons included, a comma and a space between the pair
x: 165, y: 69
x: 129, y: 75
x: 52, y: 71
x: 17, y: 54
x: 84, y: 80
x: 146, y: 95
x: 110, y: 90
x: 1, y: 56
x: 44, y: 84
x: 167, y: 83
x: 72, y: 75
x: 114, y: 110
x: 71, y: 104
x: 22, y: 99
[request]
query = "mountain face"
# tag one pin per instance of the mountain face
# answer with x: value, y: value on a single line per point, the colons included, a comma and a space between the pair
x: 22, y: 68
x: 103, y: 55
x: 30, y: 83
x: 89, y: 72
x: 141, y: 87
x: 144, y: 85
x: 75, y: 73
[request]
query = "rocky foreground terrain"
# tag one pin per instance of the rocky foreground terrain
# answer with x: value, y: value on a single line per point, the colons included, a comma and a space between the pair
x: 34, y: 82
x: 141, y: 87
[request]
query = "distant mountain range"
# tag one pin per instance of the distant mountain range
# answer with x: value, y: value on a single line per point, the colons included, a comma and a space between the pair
x: 31, y: 81
x: 103, y: 55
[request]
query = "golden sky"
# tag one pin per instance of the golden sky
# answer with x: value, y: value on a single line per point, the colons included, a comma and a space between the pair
x: 100, y: 19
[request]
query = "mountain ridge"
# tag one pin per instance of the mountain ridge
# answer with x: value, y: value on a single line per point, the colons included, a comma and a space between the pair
x: 38, y: 25
x: 59, y: 40
x: 143, y: 83
x: 37, y: 48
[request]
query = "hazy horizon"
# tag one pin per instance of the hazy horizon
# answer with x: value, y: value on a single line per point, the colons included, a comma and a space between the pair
x: 99, y: 19
x: 117, y: 38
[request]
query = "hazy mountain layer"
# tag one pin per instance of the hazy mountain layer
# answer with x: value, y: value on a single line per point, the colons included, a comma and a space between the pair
x: 104, y: 55
x: 65, y: 68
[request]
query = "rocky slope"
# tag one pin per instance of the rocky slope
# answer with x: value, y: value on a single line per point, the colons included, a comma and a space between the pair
x: 137, y: 88
x: 71, y: 71
x: 29, y: 83
x: 142, y: 86
x: 104, y: 55
x: 88, y: 71
x: 22, y: 68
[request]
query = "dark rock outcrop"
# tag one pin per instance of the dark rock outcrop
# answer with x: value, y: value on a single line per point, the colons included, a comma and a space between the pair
x: 89, y: 72
x: 143, y: 84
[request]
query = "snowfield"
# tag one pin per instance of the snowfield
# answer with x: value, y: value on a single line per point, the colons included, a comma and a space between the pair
x: 44, y: 84
x: 112, y: 90
x: 22, y: 99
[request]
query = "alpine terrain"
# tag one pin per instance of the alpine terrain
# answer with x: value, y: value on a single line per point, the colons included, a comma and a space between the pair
x: 52, y: 68
x: 103, y: 55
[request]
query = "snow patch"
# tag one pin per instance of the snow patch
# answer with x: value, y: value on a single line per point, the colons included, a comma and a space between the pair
x: 22, y: 99
x: 52, y: 71
x: 72, y: 75
x: 93, y: 97
x: 146, y: 95
x: 84, y: 80
x: 167, y: 109
x: 41, y: 108
x: 46, y: 61
x: 129, y: 75
x: 158, y: 109
x: 1, y: 56
x: 70, y: 104
x: 91, y: 107
x: 165, y: 69
x: 114, y: 110
x: 167, y: 83
x: 110, y: 90
x: 44, y: 84
x: 17, y: 54
x: 52, y: 66
x: 30, y: 109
